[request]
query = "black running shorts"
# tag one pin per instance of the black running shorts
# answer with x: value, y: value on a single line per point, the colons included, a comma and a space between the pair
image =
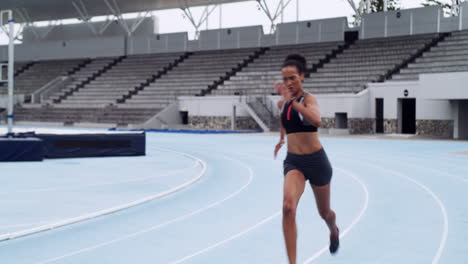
x: 316, y: 167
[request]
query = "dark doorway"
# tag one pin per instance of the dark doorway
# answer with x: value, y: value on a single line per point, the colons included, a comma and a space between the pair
x: 408, y: 116
x: 184, y: 117
x: 341, y: 120
x: 351, y: 36
x: 463, y: 119
x: 379, y: 115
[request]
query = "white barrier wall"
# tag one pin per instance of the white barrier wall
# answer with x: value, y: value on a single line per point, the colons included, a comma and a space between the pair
x: 89, y: 48
x: 83, y: 31
x: 210, y: 105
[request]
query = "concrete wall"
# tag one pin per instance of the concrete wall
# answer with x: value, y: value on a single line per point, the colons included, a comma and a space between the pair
x: 102, y: 47
x: 411, y: 22
x: 83, y: 31
x: 210, y: 105
x: 312, y: 31
x: 161, y: 43
x: 455, y: 81
x: 426, y: 109
x: 231, y: 38
x: 403, y: 22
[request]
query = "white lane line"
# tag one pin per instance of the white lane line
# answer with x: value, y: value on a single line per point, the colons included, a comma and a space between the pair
x: 23, y: 225
x: 150, y: 229
x: 355, y: 221
x: 257, y: 225
x: 260, y: 223
x: 441, y: 205
x: 172, y: 172
x: 419, y: 159
x: 98, y: 184
x: 93, y: 215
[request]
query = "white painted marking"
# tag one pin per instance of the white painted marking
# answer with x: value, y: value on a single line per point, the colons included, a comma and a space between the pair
x: 441, y: 205
x: 178, y: 219
x: 355, y: 221
x: 93, y: 215
x: 105, y: 183
x: 257, y: 225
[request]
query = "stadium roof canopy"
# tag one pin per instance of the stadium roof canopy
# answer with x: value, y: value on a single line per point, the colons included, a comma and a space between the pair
x: 46, y: 10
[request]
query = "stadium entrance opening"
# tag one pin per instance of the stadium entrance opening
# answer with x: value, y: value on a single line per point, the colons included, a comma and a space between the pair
x: 407, y: 115
x: 379, y: 115
x: 463, y: 119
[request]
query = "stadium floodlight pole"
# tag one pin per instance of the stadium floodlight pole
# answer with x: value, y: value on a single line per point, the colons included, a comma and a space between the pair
x: 11, y: 58
x: 297, y: 10
x: 220, y: 16
x: 460, y: 19
x: 282, y: 11
x: 385, y: 5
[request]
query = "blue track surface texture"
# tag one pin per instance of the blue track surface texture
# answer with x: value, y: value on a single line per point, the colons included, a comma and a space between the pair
x: 396, y: 202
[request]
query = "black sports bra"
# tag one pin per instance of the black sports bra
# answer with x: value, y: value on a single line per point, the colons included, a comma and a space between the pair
x: 293, y: 121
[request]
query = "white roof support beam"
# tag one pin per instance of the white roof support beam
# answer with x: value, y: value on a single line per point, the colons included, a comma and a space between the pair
x: 364, y: 7
x: 49, y: 28
x: 203, y: 18
x: 83, y: 13
x: 24, y: 15
x: 141, y: 17
x: 106, y: 24
x: 115, y: 10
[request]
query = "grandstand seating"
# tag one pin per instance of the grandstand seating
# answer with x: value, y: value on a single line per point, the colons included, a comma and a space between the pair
x: 192, y: 76
x: 119, y: 80
x: 43, y: 72
x: 450, y: 55
x: 82, y: 75
x: 98, y: 85
x: 363, y: 62
x: 259, y: 76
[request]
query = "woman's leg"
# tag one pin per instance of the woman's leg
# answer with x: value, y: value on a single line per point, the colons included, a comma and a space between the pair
x: 294, y: 184
x: 322, y: 198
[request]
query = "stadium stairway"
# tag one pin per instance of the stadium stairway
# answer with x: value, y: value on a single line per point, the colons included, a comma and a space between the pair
x: 31, y: 76
x: 120, y: 79
x: 93, y: 70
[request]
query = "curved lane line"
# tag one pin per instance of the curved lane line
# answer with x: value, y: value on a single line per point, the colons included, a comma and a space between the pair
x: 93, y: 215
x: 355, y: 221
x: 178, y: 219
x: 441, y: 205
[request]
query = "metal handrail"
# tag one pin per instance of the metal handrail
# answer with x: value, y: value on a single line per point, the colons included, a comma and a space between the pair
x: 50, y: 88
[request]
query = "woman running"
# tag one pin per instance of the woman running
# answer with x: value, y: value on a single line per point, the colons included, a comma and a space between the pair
x: 306, y: 159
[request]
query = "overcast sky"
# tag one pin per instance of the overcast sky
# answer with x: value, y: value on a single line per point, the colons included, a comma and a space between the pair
x: 248, y: 13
